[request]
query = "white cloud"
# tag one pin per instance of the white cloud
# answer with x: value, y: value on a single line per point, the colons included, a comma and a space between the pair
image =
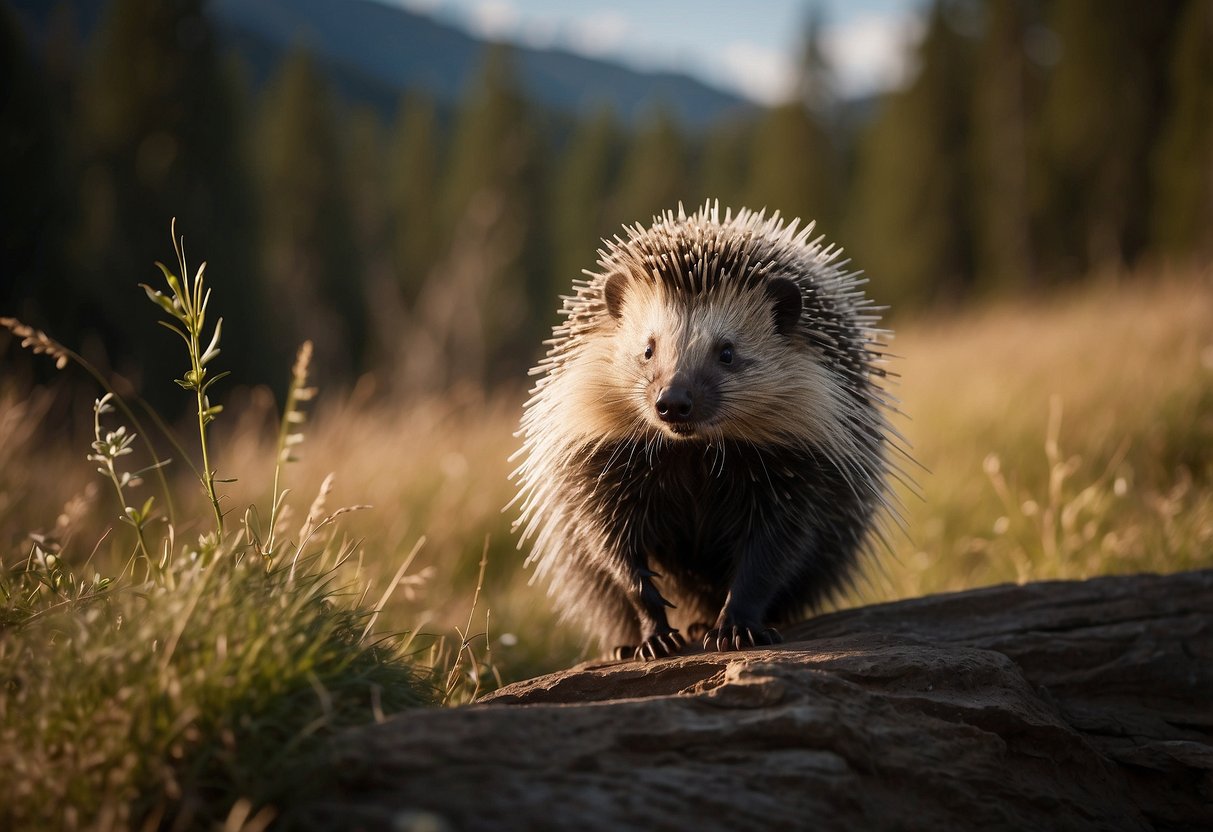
x: 600, y: 34
x: 539, y: 32
x: 872, y: 53
x: 869, y: 53
x: 421, y: 6
x: 761, y: 73
x: 494, y: 19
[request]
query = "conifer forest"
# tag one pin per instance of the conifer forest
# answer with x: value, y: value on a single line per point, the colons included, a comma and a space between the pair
x: 1038, y: 142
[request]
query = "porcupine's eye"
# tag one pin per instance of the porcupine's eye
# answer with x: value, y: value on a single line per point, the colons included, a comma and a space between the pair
x: 648, y: 350
x: 726, y: 353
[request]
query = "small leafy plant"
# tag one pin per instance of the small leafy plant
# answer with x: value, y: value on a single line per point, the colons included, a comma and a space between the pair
x: 187, y: 305
x: 190, y: 687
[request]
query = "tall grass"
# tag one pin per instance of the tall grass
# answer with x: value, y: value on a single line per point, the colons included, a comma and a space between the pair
x: 188, y: 673
x: 1062, y: 438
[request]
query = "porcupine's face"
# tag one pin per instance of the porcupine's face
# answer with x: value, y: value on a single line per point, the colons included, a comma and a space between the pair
x: 721, y: 364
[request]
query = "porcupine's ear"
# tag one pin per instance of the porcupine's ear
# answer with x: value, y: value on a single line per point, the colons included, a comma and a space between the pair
x: 612, y: 294
x: 785, y: 295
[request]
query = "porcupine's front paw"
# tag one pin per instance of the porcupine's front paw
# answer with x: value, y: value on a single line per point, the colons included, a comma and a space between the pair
x: 731, y: 633
x: 668, y: 642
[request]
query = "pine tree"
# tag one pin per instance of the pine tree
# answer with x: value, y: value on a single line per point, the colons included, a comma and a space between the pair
x: 1007, y: 89
x: 159, y: 131
x: 312, y: 263
x: 580, y: 207
x: 724, y: 165
x: 495, y: 144
x: 655, y: 172
x: 365, y: 152
x: 1099, y: 122
x: 795, y: 166
x: 373, y: 221
x: 414, y: 173
x: 911, y: 221
x: 1183, y: 163
x: 478, y: 316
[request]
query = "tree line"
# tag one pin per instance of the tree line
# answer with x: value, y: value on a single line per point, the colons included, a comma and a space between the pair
x: 1036, y: 142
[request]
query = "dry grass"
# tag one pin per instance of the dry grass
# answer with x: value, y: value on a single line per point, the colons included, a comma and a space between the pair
x: 436, y: 469
x: 1062, y: 440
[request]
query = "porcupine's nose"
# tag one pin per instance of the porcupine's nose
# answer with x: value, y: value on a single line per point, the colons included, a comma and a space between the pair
x: 675, y: 404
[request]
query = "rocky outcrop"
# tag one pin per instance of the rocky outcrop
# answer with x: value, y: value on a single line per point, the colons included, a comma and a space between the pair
x: 1065, y: 705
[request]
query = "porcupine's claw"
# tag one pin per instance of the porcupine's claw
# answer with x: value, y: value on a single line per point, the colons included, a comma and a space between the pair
x: 657, y: 646
x: 740, y: 636
x: 660, y: 645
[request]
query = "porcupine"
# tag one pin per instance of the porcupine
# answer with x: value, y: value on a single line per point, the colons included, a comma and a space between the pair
x: 709, y: 427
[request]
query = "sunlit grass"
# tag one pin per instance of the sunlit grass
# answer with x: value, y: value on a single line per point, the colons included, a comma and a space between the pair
x: 1061, y: 439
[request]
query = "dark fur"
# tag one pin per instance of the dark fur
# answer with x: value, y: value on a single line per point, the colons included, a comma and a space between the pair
x: 689, y: 509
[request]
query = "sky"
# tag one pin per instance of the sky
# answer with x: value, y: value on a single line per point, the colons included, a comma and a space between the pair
x: 749, y: 48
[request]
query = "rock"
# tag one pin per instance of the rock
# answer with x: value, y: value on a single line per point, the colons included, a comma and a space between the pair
x: 1063, y: 705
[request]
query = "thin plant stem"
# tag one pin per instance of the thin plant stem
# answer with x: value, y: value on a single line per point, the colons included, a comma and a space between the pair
x: 40, y: 342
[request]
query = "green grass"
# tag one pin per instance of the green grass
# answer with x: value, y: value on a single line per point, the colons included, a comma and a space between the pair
x: 177, y: 694
x: 186, y: 667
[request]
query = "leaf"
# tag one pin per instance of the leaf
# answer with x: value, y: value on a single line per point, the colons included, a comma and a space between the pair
x: 161, y: 300
x: 199, y: 300
x: 213, y: 349
x: 173, y: 282
x: 215, y: 378
x: 167, y: 325
x: 200, y: 313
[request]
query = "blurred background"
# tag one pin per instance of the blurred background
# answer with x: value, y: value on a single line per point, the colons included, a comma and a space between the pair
x: 410, y: 184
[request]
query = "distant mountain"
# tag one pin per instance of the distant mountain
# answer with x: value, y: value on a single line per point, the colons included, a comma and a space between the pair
x: 373, y: 52
x: 403, y: 49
